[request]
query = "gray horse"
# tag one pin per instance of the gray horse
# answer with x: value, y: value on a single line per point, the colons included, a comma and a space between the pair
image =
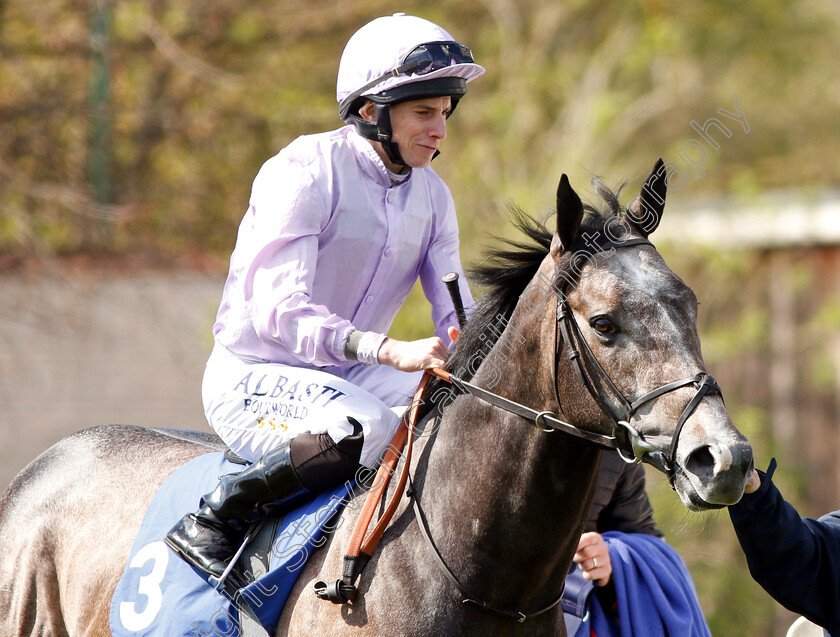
x: 585, y: 324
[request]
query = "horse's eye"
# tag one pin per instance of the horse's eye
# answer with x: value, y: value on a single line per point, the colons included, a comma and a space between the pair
x: 603, y: 326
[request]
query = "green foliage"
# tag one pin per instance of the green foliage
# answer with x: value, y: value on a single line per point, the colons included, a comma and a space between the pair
x: 744, y: 332
x: 202, y: 93
x: 821, y: 328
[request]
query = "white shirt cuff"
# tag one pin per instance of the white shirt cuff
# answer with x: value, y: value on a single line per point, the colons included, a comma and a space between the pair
x: 368, y: 350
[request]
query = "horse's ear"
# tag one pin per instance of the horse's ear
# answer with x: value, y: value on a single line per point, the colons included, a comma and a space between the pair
x: 645, y: 212
x: 569, y: 213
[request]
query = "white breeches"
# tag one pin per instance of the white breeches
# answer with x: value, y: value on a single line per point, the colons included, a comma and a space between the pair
x: 255, y: 406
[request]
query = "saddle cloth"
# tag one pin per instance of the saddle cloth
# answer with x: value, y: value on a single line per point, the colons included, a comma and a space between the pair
x: 160, y: 595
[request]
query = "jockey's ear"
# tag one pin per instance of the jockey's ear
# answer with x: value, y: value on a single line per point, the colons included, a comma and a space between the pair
x: 569, y: 213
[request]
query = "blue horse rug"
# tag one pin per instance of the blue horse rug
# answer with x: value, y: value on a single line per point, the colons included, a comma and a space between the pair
x: 160, y: 595
x: 654, y: 591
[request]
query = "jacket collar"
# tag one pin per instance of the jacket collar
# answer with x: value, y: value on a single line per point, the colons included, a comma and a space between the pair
x: 370, y: 162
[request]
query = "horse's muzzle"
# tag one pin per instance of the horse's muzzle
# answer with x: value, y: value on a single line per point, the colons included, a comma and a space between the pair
x: 714, y: 475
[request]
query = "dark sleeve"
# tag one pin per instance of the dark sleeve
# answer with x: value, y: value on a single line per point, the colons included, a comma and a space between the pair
x: 796, y: 560
x: 621, y: 502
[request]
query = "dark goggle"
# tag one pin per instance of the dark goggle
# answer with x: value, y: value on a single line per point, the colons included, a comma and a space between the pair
x: 433, y: 56
x: 420, y: 60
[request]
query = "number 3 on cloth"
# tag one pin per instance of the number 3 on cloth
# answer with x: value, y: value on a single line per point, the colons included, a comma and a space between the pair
x: 149, y: 587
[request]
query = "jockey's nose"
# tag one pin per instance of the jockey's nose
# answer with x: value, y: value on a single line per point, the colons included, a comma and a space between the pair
x: 437, y: 129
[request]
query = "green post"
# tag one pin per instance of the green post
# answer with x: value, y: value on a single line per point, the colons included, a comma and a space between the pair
x: 99, y: 149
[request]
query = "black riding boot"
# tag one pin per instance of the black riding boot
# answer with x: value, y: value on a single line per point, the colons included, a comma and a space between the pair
x: 208, y: 538
x: 278, y: 482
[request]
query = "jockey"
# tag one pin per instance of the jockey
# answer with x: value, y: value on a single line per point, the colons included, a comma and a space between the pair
x: 302, y: 379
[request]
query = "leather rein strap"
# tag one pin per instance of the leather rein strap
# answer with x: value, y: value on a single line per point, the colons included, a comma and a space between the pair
x: 543, y: 420
x: 362, y: 545
x: 624, y: 438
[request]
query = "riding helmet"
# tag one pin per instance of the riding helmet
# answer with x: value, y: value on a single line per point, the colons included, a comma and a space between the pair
x: 395, y: 59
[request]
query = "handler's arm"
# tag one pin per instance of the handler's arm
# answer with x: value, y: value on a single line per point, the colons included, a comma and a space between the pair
x: 796, y: 560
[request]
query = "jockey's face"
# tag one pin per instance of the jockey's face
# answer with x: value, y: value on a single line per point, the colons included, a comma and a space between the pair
x: 418, y: 127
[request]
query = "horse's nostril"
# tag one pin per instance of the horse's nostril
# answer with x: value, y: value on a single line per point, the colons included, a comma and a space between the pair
x: 710, y: 460
x: 717, y: 472
x: 701, y: 462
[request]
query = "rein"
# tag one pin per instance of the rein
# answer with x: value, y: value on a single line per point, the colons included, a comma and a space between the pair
x: 467, y: 596
x: 362, y: 544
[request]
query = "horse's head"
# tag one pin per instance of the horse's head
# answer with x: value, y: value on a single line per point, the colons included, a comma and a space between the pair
x: 633, y: 323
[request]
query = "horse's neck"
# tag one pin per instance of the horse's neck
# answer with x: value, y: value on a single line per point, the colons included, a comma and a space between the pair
x: 504, y: 499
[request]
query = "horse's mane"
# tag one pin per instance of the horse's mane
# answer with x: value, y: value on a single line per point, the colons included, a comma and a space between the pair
x: 506, y: 272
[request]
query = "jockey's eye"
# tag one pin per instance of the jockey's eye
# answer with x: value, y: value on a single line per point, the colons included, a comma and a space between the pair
x: 603, y: 326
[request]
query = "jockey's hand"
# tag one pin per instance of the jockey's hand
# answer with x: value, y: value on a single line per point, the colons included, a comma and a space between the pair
x: 412, y: 356
x: 593, y: 556
x: 453, y: 333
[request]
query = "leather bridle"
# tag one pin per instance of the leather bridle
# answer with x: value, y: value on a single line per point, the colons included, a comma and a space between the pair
x: 625, y: 439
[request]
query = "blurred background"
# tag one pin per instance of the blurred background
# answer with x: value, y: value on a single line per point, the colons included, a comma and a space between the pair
x: 130, y: 133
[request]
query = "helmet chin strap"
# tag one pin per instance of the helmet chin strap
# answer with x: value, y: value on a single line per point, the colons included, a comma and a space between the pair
x: 380, y: 131
x: 384, y: 132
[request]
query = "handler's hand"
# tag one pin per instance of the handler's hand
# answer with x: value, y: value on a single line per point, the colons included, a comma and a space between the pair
x: 593, y: 556
x: 412, y: 356
x: 753, y: 483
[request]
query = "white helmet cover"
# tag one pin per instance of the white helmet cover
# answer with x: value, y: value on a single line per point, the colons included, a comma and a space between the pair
x: 380, y: 46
